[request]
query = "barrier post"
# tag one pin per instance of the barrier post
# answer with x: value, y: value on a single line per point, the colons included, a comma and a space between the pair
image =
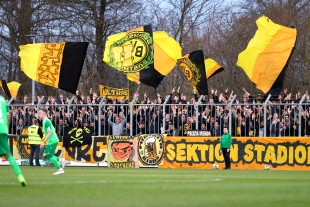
x: 265, y: 114
x: 299, y: 113
x: 39, y: 103
x: 164, y: 114
x: 70, y: 102
x: 131, y: 114
x: 230, y: 112
x: 99, y: 115
x: 197, y: 110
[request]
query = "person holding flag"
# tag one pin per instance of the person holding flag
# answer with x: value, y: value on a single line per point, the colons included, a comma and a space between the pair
x: 4, y: 147
x: 49, y: 143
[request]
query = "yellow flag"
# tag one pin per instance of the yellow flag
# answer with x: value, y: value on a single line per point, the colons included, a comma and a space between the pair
x: 13, y: 88
x: 121, y: 54
x: 55, y: 64
x: 267, y: 53
x: 212, y: 67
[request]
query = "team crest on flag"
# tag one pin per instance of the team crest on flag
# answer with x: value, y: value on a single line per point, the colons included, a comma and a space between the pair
x: 142, y: 55
x: 193, y: 67
x: 132, y: 53
x: 190, y: 70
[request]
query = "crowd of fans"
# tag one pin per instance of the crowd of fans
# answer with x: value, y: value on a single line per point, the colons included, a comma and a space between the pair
x: 180, y: 114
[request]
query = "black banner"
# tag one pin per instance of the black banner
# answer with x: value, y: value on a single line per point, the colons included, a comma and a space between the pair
x: 76, y: 137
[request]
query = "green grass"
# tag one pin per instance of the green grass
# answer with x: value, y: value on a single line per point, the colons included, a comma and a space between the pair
x: 81, y: 186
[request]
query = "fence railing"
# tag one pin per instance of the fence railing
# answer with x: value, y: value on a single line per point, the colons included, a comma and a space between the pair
x: 242, y: 119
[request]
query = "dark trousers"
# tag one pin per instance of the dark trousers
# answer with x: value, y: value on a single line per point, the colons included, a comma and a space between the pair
x: 226, y: 157
x: 34, y: 150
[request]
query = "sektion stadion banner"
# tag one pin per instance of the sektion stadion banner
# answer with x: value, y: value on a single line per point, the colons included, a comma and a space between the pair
x: 280, y: 153
x: 246, y: 153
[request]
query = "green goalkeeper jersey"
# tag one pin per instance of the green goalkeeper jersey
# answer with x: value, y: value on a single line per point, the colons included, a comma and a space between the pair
x: 4, y: 110
x: 48, y: 126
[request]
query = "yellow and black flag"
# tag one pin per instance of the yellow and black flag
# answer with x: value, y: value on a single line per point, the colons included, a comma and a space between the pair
x: 166, y: 53
x: 13, y: 88
x: 212, y: 67
x: 55, y: 64
x: 143, y: 56
x: 193, y: 66
x: 5, y: 88
x: 267, y: 54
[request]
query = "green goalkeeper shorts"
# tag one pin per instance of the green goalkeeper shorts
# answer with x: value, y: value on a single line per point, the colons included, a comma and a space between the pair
x: 4, y: 145
x: 49, y: 150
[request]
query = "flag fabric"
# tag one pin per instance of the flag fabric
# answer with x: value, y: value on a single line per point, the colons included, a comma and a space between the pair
x: 13, y: 88
x: 5, y: 88
x: 166, y: 53
x: 267, y: 54
x: 55, y: 64
x: 77, y: 136
x: 130, y: 51
x: 142, y: 55
x: 193, y: 67
x: 115, y: 93
x: 212, y: 67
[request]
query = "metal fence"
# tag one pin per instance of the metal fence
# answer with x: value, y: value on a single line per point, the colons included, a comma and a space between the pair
x: 249, y: 120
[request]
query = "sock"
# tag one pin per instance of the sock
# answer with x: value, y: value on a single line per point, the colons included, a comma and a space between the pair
x: 55, y: 162
x: 14, y: 165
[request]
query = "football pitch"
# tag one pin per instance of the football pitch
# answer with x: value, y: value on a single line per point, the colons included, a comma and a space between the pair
x: 97, y: 186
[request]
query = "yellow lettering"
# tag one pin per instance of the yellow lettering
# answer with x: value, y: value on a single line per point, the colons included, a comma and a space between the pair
x: 300, y: 154
x: 248, y: 150
x: 259, y: 148
x: 211, y: 153
x: 203, y: 148
x: 217, y: 153
x: 270, y: 154
x: 281, y: 154
x: 291, y: 155
x: 308, y: 162
x: 181, y: 154
x: 191, y: 153
x: 170, y: 152
x: 234, y: 153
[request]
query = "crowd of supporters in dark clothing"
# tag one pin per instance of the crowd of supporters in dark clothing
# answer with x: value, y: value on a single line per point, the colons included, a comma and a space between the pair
x: 281, y: 116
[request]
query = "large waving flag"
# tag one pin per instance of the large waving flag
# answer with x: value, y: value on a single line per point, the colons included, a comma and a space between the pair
x: 5, y: 88
x: 193, y: 66
x: 149, y: 62
x: 212, y: 67
x: 267, y: 54
x: 13, y: 88
x: 166, y: 53
x: 55, y: 64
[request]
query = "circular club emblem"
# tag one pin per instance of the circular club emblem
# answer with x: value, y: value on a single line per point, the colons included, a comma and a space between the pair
x: 190, y: 70
x: 132, y: 53
x: 150, y: 149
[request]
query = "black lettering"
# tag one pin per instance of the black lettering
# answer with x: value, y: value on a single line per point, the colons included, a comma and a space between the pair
x: 97, y: 148
x: 139, y: 50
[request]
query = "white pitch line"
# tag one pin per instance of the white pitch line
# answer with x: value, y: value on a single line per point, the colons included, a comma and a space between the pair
x: 113, y: 182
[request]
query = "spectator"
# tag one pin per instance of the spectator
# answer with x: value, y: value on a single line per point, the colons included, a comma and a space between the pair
x: 20, y: 127
x: 118, y: 126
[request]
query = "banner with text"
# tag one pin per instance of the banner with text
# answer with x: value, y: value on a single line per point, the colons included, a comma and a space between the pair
x: 95, y: 152
x: 115, y: 93
x: 286, y: 153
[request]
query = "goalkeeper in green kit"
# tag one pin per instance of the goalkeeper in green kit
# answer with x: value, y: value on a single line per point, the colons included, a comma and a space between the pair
x: 49, y: 143
x: 4, y: 146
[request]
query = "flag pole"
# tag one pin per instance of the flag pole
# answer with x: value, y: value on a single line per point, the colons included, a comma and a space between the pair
x: 33, y: 90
